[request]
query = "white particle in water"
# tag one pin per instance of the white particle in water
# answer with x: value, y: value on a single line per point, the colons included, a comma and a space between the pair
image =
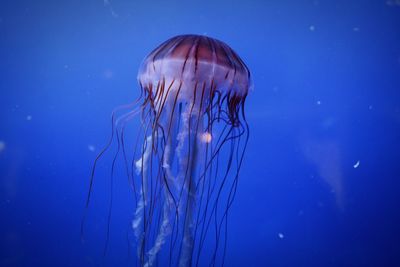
x: 355, y: 166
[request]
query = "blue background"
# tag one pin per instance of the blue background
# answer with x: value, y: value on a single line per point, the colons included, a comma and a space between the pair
x: 320, y: 181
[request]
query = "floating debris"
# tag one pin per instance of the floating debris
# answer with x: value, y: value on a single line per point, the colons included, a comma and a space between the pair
x: 355, y: 166
x: 312, y: 28
x: 29, y: 117
x: 91, y: 148
x: 280, y: 235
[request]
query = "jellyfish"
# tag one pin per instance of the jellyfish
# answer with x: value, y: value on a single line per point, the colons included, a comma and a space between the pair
x: 194, y: 134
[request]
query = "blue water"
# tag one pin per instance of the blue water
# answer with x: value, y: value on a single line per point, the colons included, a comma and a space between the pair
x: 320, y: 181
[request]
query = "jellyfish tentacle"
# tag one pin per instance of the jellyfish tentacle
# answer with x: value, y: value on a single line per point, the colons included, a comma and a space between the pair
x: 142, y: 166
x: 189, y: 185
x: 165, y: 228
x: 194, y: 120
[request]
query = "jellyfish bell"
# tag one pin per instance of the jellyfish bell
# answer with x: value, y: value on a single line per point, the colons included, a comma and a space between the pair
x: 194, y: 134
x: 191, y: 66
